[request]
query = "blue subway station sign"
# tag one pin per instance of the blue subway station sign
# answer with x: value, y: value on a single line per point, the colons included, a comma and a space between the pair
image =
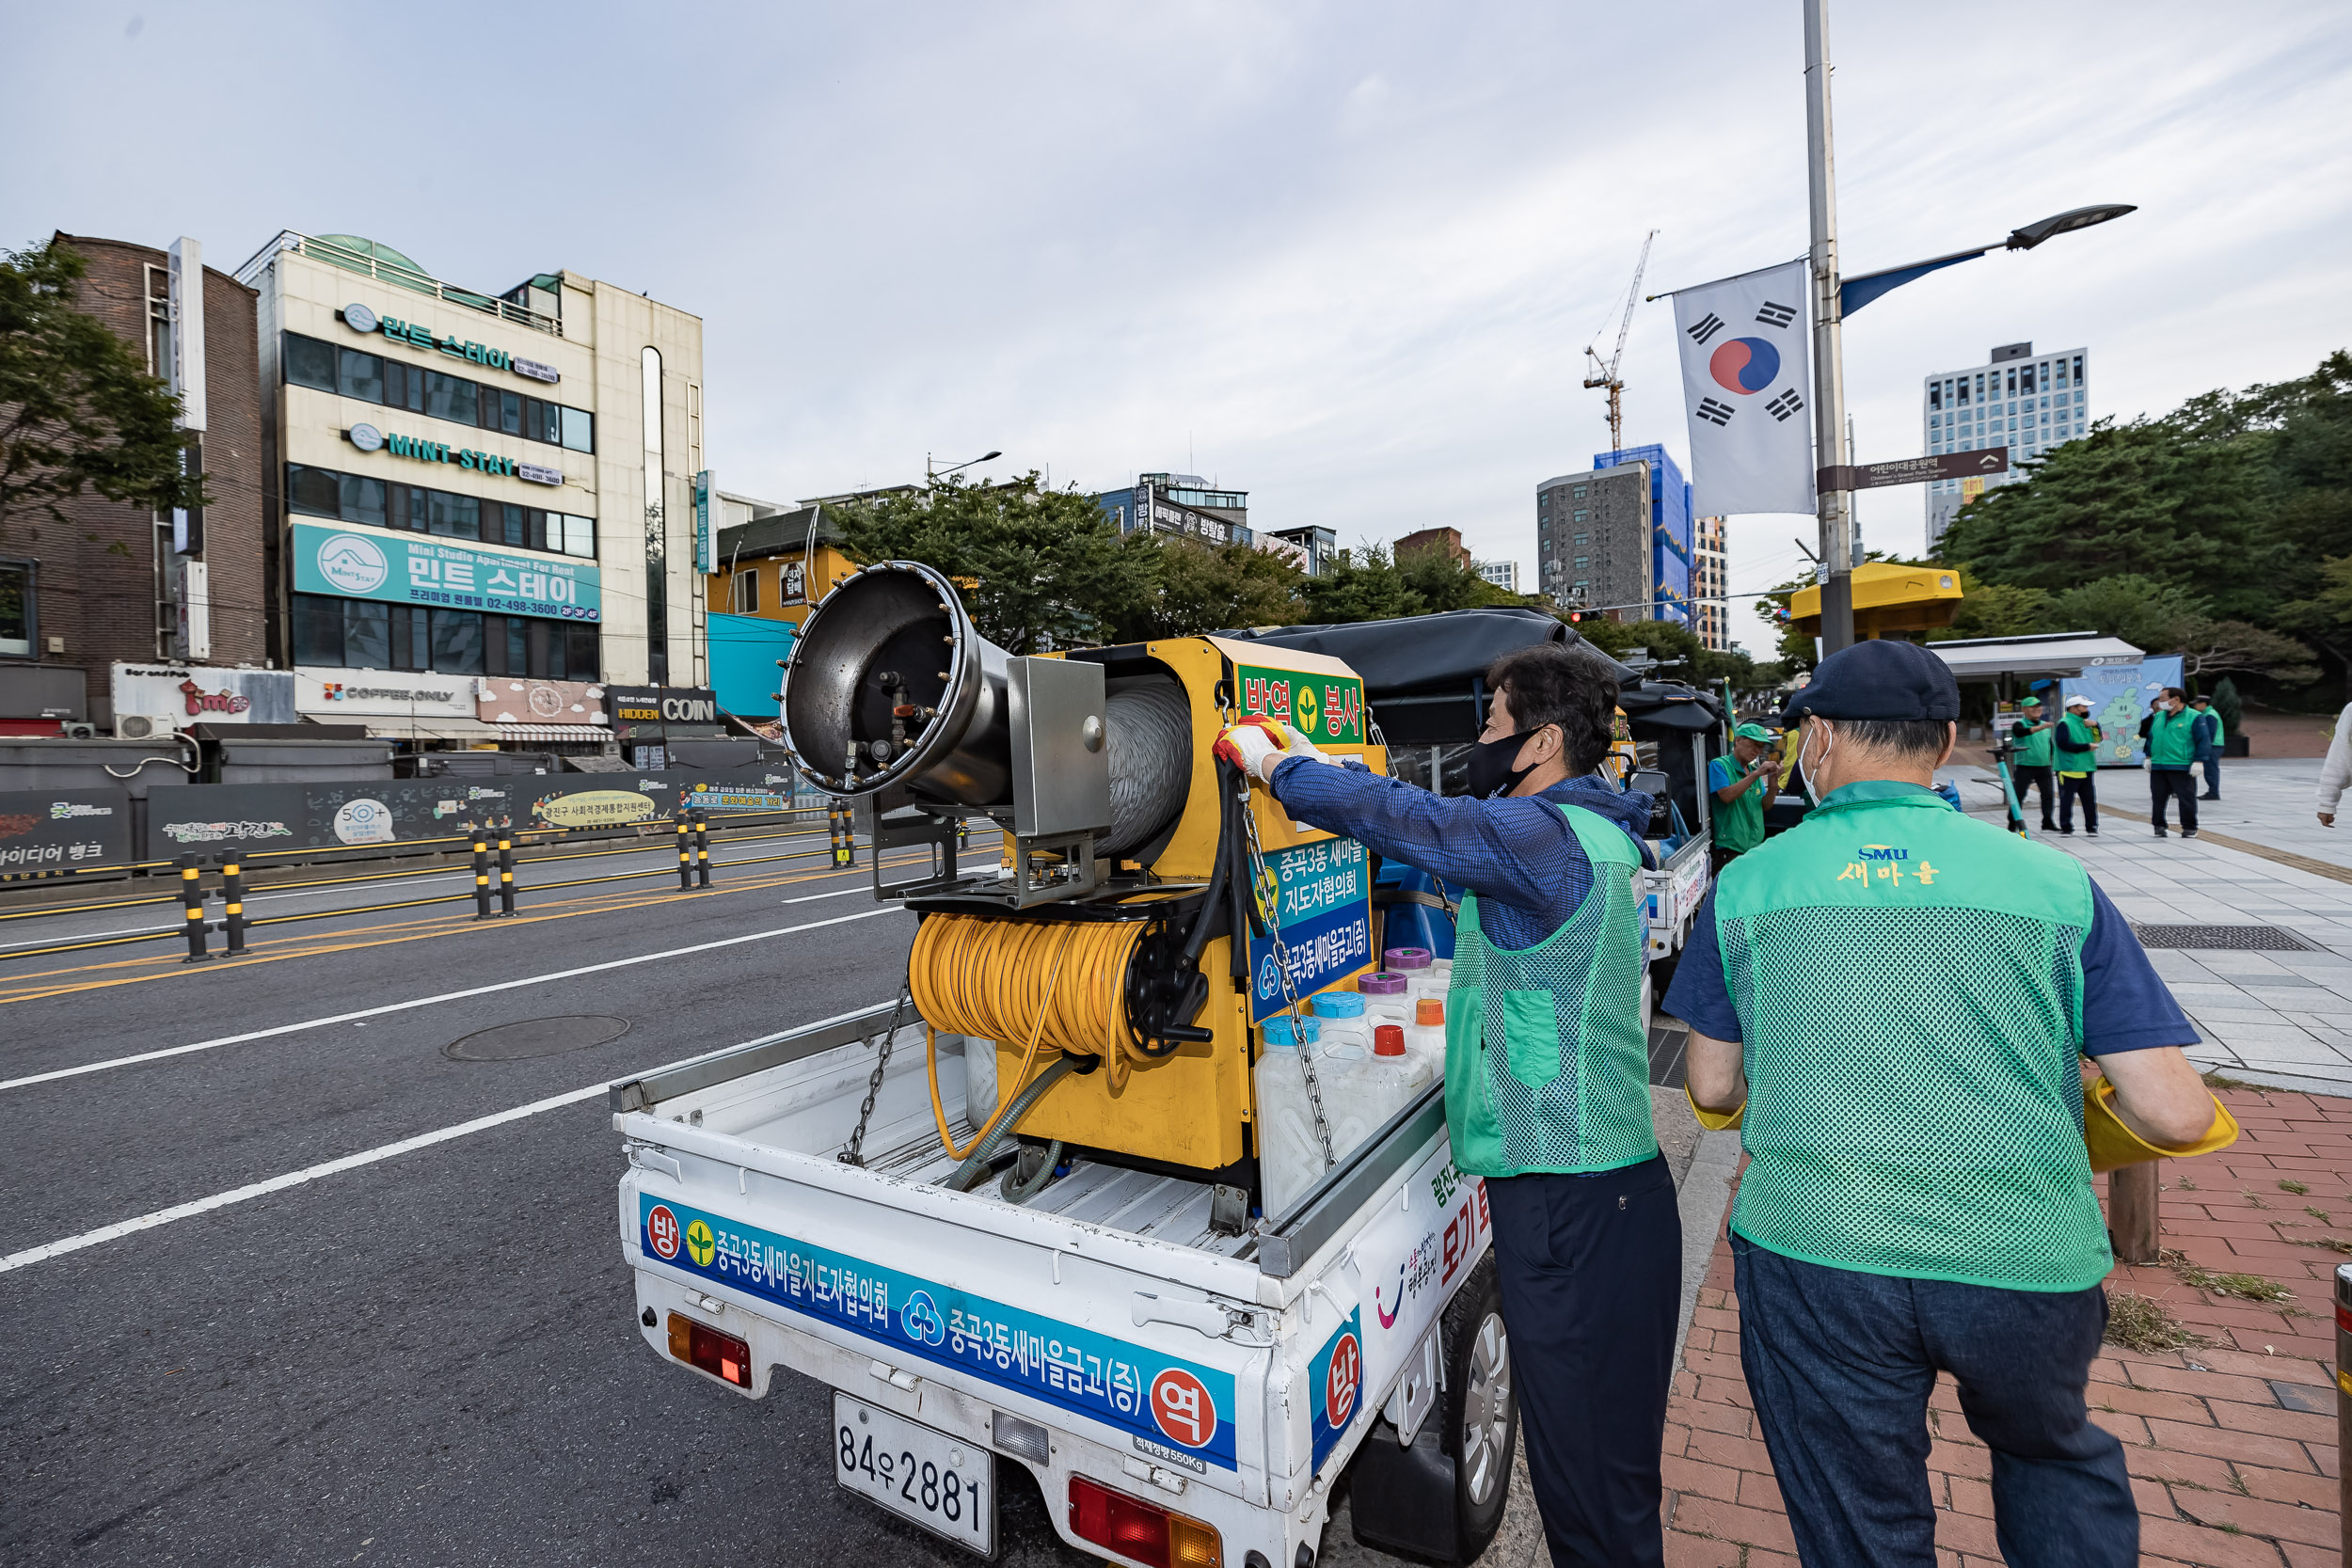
x: 426, y: 569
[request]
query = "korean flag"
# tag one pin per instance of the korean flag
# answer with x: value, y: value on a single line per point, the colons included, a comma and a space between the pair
x: 1747, y: 391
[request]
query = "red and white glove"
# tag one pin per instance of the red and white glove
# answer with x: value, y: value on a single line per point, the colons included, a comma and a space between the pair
x: 1255, y: 746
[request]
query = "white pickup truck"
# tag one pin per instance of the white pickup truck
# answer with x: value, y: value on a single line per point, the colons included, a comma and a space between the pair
x: 1183, y: 1383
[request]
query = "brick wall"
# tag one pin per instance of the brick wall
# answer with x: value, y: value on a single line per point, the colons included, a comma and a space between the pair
x: 97, y: 578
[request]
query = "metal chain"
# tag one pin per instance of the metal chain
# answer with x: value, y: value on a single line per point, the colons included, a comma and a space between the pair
x: 853, y: 1154
x: 1290, y: 989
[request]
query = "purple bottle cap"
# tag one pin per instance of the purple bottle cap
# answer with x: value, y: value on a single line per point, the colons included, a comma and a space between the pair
x: 1406, y: 957
x: 1381, y: 983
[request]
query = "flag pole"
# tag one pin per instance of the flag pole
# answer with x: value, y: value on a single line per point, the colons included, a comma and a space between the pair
x: 1829, y: 371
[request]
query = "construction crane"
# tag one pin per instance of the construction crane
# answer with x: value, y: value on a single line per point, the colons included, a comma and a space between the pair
x: 1608, y: 376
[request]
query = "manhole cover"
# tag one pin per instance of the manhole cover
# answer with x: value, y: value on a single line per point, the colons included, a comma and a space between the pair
x: 2241, y: 938
x: 536, y: 1037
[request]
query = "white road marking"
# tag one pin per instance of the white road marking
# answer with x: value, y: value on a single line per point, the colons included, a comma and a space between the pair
x: 428, y: 1001
x: 352, y: 1161
x: 812, y: 897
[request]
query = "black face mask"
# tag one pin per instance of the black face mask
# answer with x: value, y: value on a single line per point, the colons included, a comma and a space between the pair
x: 1491, y: 772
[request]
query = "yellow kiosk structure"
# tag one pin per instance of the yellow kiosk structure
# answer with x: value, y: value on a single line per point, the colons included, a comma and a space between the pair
x: 1888, y: 600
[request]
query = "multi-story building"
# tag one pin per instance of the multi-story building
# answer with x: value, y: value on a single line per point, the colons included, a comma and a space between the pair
x: 1618, y: 538
x: 1447, y: 541
x: 1502, y: 574
x: 1180, y: 504
x: 466, y: 485
x: 116, y: 584
x: 2018, y: 400
x: 1317, y: 547
x: 1710, y: 578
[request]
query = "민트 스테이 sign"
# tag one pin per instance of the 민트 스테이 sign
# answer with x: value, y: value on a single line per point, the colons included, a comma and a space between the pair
x: 409, y: 569
x: 361, y: 319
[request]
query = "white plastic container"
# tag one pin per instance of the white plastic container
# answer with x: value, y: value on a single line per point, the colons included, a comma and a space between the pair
x: 1290, y: 1156
x: 1361, y: 1088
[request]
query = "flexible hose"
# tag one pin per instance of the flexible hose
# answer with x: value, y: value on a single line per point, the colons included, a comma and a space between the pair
x: 967, y: 1175
x: 1058, y: 986
x: 1017, y: 1192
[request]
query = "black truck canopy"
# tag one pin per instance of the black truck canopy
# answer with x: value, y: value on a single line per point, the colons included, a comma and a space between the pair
x: 1424, y: 674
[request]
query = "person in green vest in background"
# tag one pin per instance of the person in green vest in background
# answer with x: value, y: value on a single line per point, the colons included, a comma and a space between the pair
x: 1742, y: 784
x: 2077, y: 740
x: 2211, y: 755
x: 2030, y: 765
x: 2175, y: 738
x: 1892, y: 1001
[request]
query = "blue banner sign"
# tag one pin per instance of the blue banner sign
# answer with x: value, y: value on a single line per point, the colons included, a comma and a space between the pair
x: 428, y: 569
x: 1323, y: 898
x: 1170, y: 1408
x: 1336, y: 1377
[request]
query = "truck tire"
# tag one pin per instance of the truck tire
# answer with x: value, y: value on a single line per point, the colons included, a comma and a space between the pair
x: 1480, y: 1409
x: 1441, y: 1500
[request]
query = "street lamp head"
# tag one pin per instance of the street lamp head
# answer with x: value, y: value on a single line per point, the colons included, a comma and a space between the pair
x: 986, y: 455
x: 2033, y: 234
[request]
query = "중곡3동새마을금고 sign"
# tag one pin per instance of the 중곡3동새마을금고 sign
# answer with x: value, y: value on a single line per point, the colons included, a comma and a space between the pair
x: 370, y: 563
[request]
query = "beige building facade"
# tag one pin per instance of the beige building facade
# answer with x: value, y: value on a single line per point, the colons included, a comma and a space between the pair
x: 467, y: 486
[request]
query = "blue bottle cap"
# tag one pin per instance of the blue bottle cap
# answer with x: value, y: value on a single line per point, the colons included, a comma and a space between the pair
x: 1283, y: 1030
x: 1338, y: 1003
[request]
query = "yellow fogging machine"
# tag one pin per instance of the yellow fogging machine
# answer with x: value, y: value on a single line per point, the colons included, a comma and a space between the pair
x: 1125, y: 941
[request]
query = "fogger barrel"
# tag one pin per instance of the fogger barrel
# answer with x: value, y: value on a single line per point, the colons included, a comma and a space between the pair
x: 889, y: 682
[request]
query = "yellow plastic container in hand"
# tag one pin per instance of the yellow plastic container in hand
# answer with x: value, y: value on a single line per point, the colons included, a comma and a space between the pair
x: 2113, y: 1143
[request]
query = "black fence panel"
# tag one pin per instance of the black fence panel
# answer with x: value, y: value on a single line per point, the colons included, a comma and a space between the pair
x: 46, y: 832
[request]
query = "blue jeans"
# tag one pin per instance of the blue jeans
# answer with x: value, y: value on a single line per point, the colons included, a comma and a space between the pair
x: 1840, y: 1365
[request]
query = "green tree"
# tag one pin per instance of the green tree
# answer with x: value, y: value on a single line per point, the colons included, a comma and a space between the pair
x: 1443, y: 583
x: 1037, y: 568
x: 2227, y: 704
x: 2151, y: 615
x: 78, y: 411
x: 1200, y: 586
x: 1353, y: 589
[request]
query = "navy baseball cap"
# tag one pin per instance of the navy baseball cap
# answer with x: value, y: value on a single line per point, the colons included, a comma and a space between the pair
x: 1882, y: 678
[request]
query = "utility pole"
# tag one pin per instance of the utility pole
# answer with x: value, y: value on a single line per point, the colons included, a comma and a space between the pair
x: 1829, y: 371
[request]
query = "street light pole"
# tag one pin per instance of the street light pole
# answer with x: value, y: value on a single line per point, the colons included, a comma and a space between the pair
x: 1829, y: 368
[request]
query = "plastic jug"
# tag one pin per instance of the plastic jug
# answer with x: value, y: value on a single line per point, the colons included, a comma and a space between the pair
x: 1425, y: 1037
x: 1290, y: 1155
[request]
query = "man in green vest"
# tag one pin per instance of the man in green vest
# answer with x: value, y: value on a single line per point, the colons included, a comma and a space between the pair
x: 2175, y: 738
x: 2077, y: 740
x: 1892, y: 1001
x: 2029, y: 764
x: 1741, y: 783
x: 2211, y: 756
x: 1547, y: 1073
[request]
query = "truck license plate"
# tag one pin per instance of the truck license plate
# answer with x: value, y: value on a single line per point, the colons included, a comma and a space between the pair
x: 942, y: 1483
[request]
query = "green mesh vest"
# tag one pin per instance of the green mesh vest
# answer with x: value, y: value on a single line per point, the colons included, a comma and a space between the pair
x: 1546, y: 1060
x: 2036, y: 749
x: 1909, y: 984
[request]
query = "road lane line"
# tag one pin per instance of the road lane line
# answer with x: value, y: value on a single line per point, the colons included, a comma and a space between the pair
x: 365, y: 1157
x: 812, y: 897
x: 428, y: 1001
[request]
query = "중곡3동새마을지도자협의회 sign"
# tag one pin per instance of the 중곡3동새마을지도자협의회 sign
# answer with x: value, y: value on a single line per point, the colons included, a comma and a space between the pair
x: 399, y: 568
x: 1322, y: 898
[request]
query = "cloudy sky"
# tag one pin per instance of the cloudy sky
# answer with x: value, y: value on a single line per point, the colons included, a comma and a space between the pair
x: 1344, y: 255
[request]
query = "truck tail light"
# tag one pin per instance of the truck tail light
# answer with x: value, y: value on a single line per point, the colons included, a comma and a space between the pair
x: 1144, y: 1532
x: 722, y: 1355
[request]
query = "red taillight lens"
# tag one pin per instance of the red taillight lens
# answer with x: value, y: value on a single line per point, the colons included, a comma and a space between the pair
x: 722, y: 1355
x: 1144, y: 1531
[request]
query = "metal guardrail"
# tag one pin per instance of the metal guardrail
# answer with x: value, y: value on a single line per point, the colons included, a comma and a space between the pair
x: 288, y: 240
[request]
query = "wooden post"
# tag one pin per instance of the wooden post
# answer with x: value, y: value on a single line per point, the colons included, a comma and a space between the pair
x: 2132, y: 1212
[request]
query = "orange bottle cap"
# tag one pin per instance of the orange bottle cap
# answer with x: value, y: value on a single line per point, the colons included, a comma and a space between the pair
x: 1429, y: 1010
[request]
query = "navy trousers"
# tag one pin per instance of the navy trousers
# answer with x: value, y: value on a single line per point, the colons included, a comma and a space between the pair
x: 1590, y: 1269
x: 1840, y: 1365
x: 2172, y: 784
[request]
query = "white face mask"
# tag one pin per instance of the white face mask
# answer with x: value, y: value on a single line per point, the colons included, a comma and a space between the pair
x: 1807, y: 769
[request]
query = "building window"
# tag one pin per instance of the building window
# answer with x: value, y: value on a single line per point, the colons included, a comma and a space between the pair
x: 380, y: 379
x: 743, y: 598
x: 18, y: 627
x: 1578, y: 492
x: 356, y: 499
x: 361, y: 634
x: 1581, y: 538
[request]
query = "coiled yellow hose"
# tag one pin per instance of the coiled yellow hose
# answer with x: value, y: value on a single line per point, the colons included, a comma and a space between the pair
x: 1060, y: 986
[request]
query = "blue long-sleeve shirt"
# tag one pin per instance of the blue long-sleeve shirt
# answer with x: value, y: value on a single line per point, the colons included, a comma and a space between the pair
x: 1518, y: 855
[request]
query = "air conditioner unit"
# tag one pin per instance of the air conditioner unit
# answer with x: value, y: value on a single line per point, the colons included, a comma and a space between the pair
x: 140, y: 727
x: 76, y: 729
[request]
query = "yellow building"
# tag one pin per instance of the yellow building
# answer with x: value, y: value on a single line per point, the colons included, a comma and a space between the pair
x: 776, y: 564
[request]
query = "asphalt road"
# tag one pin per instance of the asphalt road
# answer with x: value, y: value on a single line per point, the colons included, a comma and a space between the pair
x: 427, y: 1358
